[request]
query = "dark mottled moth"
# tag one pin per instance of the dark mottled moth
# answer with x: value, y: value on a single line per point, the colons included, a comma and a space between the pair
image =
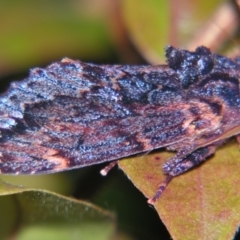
x: 74, y: 114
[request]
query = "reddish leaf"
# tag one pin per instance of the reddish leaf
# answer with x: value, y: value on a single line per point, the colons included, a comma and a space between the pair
x: 201, y: 204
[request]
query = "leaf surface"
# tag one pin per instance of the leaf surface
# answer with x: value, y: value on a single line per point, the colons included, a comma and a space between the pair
x: 203, y: 203
x: 40, y: 214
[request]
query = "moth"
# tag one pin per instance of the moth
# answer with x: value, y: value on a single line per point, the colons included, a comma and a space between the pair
x: 74, y: 114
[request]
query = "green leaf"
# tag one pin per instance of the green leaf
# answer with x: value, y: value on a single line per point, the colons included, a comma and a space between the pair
x: 200, y: 204
x: 148, y: 27
x: 35, y: 214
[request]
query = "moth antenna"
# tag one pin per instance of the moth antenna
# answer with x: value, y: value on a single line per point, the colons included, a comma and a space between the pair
x: 160, y: 190
x: 105, y: 170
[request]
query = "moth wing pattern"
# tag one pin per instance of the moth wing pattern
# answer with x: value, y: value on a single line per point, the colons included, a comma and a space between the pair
x: 74, y: 114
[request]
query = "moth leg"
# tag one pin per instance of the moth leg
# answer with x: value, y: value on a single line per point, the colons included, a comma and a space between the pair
x: 182, y: 165
x: 160, y: 190
x: 238, y: 139
x: 105, y: 170
x: 191, y: 160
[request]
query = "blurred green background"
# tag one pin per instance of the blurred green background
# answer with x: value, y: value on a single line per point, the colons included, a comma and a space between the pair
x: 36, y: 33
